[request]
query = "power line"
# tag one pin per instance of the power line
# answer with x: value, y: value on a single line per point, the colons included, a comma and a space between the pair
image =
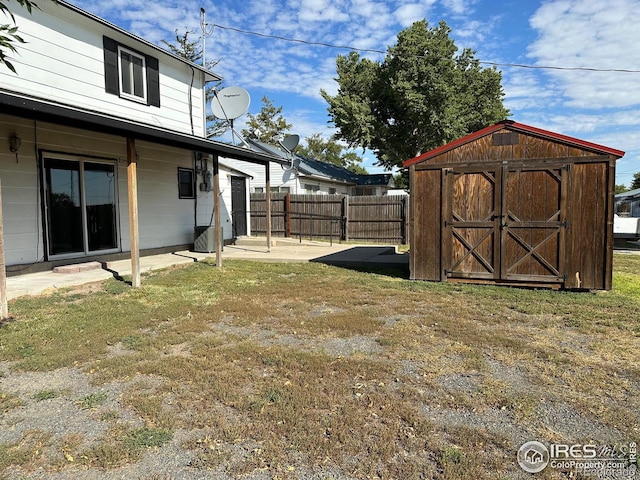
x: 372, y: 50
x: 296, y: 40
x: 548, y: 67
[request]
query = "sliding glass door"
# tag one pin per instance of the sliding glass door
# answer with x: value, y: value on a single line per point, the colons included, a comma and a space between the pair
x: 81, y: 206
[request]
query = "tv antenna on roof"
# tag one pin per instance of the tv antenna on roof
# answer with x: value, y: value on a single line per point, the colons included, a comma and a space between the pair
x: 230, y: 103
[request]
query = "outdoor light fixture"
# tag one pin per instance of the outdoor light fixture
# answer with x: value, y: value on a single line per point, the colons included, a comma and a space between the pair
x: 14, y: 142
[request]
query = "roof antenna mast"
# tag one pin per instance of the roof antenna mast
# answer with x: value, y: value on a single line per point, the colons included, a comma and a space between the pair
x: 205, y: 33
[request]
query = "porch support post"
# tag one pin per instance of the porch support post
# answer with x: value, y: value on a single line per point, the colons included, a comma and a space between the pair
x: 268, y: 204
x: 132, y: 183
x: 216, y: 209
x: 4, y: 310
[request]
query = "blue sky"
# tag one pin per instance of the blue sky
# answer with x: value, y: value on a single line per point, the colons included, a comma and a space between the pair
x: 601, y: 106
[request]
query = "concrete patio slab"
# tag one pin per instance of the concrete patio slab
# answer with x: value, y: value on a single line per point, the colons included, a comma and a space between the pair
x: 283, y: 250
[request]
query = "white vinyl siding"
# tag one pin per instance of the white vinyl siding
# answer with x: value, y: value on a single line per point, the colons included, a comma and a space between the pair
x: 63, y: 61
x: 164, y: 219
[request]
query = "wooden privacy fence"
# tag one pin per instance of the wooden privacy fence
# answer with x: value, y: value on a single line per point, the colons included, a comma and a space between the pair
x: 369, y: 218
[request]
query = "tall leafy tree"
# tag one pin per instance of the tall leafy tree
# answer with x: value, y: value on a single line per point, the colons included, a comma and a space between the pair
x: 330, y: 151
x: 620, y: 189
x: 268, y: 125
x: 635, y: 183
x: 183, y: 47
x: 424, y: 94
x: 9, y: 37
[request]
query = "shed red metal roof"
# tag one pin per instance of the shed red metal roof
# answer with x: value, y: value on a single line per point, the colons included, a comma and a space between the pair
x: 516, y: 127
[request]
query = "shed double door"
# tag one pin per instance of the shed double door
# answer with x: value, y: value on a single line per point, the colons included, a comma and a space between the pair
x: 505, y: 223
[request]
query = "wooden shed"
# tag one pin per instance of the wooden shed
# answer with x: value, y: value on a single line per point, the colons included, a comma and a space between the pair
x: 513, y: 204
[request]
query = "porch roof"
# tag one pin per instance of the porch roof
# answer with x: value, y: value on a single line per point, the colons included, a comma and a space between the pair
x: 46, y: 111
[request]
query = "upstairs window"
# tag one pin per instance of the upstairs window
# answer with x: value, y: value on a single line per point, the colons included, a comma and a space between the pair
x: 132, y: 69
x: 130, y: 74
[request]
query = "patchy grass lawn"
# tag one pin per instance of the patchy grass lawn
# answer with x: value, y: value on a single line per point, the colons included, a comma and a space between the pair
x: 310, y: 371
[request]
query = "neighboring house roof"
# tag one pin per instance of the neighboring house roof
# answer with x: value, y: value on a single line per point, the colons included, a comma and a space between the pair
x: 516, y: 127
x: 209, y: 75
x: 29, y: 107
x: 374, y: 179
x: 630, y: 195
x: 325, y: 170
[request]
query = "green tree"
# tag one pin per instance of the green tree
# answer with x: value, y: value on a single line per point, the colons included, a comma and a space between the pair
x: 183, y: 47
x: 9, y: 32
x: 621, y: 189
x: 330, y: 151
x: 424, y: 94
x: 401, y: 179
x: 268, y: 125
x: 635, y: 183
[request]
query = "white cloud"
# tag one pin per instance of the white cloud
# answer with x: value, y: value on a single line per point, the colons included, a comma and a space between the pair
x: 321, y: 10
x: 407, y: 14
x: 459, y: 7
x: 594, y: 34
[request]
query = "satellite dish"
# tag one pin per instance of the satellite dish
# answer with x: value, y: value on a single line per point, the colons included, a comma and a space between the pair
x: 290, y: 142
x: 230, y: 103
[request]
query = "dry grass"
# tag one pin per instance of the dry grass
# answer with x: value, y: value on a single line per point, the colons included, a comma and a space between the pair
x: 308, y: 369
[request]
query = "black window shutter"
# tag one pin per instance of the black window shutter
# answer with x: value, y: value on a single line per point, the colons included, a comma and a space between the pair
x: 111, y: 66
x: 153, y: 82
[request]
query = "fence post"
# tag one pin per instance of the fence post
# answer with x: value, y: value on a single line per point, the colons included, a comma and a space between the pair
x: 404, y: 216
x: 287, y: 215
x: 345, y: 218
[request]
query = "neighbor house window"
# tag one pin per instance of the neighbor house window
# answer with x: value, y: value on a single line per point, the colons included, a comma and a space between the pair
x: 258, y: 190
x: 332, y: 191
x: 131, y: 74
x: 311, y: 188
x: 185, y: 183
x: 360, y: 191
x: 132, y: 69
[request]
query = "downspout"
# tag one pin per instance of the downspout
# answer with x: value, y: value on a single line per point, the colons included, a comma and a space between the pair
x: 190, y: 99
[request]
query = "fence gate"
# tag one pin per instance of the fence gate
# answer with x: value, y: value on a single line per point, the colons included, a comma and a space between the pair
x: 505, y: 223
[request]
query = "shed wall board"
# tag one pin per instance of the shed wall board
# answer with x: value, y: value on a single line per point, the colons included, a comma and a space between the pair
x: 426, y: 226
x: 587, y: 218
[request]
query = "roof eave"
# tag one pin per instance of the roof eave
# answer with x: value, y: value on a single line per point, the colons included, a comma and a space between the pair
x: 518, y: 127
x: 23, y: 106
x: 208, y: 74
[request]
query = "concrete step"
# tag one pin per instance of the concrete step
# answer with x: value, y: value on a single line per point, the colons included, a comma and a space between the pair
x: 77, y: 267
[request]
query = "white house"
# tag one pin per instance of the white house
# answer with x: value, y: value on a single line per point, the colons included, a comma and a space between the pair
x: 306, y: 175
x: 102, y: 145
x: 626, y: 223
